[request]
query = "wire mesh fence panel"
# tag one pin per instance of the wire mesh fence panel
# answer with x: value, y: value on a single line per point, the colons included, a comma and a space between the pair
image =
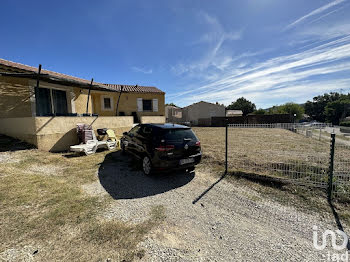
x: 280, y: 151
x: 319, y: 131
x: 341, y: 173
x: 288, y: 126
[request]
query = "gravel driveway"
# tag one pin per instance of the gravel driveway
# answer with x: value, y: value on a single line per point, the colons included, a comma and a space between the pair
x: 208, y: 219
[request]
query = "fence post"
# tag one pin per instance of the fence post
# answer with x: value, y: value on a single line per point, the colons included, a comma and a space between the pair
x: 226, y: 142
x: 331, y: 167
x: 319, y: 139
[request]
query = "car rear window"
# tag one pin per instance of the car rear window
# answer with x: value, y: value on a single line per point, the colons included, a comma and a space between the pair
x: 178, y: 134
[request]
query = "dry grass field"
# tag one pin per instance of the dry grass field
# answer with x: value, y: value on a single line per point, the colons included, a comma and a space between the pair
x: 259, y: 145
x: 46, y: 215
x: 272, y: 152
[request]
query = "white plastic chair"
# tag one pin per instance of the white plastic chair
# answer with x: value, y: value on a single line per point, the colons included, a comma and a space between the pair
x: 91, y: 146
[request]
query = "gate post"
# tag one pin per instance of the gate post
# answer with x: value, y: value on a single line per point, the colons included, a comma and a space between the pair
x: 226, y: 136
x: 331, y: 167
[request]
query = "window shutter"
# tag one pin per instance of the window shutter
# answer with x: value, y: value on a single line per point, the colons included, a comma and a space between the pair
x: 155, y: 105
x: 139, y: 104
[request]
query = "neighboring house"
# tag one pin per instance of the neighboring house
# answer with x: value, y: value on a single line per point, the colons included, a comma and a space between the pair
x: 234, y: 113
x: 42, y: 108
x: 173, y: 114
x: 201, y: 113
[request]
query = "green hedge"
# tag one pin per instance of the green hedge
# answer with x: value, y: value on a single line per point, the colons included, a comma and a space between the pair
x: 345, y: 123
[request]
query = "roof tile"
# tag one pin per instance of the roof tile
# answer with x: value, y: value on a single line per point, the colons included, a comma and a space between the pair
x: 112, y: 87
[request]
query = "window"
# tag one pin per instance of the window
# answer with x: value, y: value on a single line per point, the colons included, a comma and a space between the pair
x: 150, y: 105
x: 51, y: 102
x: 134, y: 130
x: 106, y: 103
x: 178, y: 135
x: 147, y: 105
x: 43, y: 102
x: 146, y: 130
x: 60, y: 102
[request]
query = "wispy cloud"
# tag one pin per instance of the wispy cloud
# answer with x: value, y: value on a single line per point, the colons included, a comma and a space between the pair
x: 314, y: 13
x: 326, y: 32
x: 142, y: 70
x: 213, y: 40
x: 284, y: 77
x: 327, y: 14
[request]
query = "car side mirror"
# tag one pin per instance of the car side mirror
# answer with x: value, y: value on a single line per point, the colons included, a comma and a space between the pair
x: 125, y: 133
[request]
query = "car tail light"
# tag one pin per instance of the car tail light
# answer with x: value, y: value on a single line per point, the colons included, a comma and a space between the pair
x: 165, y: 148
x: 198, y: 143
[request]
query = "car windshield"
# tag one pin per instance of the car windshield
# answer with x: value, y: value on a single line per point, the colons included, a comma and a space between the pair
x: 178, y: 135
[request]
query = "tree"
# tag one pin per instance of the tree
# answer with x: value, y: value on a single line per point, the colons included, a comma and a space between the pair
x: 171, y: 104
x: 288, y: 108
x: 336, y: 110
x: 260, y: 111
x: 316, y: 108
x: 242, y: 104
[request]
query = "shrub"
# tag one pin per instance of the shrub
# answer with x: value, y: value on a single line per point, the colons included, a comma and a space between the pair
x: 345, y: 123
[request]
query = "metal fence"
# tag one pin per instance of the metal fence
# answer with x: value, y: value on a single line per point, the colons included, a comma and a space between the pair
x: 341, y: 169
x: 294, y: 152
x: 283, y: 125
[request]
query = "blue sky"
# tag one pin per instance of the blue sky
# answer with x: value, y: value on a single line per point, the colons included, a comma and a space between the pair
x: 269, y: 51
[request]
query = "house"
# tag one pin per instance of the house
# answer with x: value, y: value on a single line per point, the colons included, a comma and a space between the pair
x: 201, y: 113
x: 234, y: 113
x: 173, y: 114
x: 43, y: 107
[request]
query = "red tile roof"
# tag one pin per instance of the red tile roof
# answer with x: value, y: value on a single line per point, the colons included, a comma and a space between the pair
x: 136, y: 89
x: 112, y: 87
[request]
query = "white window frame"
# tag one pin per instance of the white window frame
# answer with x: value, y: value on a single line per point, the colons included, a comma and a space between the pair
x: 155, y: 105
x: 139, y: 104
x: 103, y: 103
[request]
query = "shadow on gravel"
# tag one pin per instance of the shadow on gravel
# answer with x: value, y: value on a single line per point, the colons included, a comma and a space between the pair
x: 208, y: 189
x: 337, y: 220
x: 122, y: 178
x: 263, y: 180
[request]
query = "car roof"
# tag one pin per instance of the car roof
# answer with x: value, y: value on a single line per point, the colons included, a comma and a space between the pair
x: 168, y: 126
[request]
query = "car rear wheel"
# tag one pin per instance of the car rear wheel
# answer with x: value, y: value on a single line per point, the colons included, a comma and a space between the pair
x: 146, y: 165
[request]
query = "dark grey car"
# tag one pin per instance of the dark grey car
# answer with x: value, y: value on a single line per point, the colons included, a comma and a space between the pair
x: 163, y: 147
